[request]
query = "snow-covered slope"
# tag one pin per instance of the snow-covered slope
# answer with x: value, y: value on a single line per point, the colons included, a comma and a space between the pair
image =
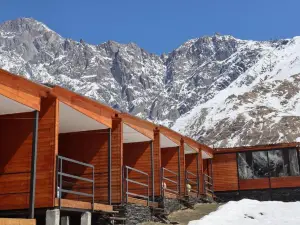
x: 219, y: 89
x: 252, y: 212
x: 261, y: 106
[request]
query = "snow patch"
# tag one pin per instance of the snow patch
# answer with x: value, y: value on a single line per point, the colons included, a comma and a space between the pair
x: 252, y: 212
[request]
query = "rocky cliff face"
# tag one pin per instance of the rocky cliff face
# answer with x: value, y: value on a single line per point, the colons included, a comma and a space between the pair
x: 218, y: 89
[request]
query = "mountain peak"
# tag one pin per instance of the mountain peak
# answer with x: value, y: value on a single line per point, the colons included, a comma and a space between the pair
x: 24, y: 24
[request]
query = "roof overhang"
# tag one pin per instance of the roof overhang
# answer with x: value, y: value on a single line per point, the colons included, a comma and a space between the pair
x: 72, y: 120
x: 166, y: 142
x: 131, y: 135
x: 9, y: 106
x: 206, y: 155
x: 91, y: 108
x: 173, y: 136
x: 189, y: 149
x: 21, y: 90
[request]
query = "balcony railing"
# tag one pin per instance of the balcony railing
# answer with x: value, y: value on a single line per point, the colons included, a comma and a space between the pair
x: 169, y: 181
x: 135, y: 179
x: 69, y: 182
x: 208, y: 186
x: 193, y: 180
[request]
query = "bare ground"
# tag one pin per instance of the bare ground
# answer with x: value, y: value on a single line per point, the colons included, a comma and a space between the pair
x: 187, y: 215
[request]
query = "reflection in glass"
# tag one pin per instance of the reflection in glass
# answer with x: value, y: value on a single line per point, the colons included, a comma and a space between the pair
x: 245, y: 166
x: 294, y: 165
x: 260, y: 164
x: 277, y: 165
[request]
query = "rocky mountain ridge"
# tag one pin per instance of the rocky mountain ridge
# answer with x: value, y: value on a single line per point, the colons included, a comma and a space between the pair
x: 218, y: 89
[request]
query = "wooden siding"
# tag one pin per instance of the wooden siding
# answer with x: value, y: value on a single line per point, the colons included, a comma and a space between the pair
x: 15, y: 160
x: 169, y: 160
x: 191, y: 166
x: 182, y: 169
x: 206, y: 167
x: 138, y: 156
x: 253, y: 184
x: 285, y: 182
x: 200, y: 172
x: 89, y: 147
x: 117, y: 159
x: 47, y: 151
x: 225, y: 172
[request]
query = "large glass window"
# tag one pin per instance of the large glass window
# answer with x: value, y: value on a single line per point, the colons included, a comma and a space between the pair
x: 258, y: 164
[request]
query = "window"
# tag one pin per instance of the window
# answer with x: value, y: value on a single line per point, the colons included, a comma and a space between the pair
x: 260, y: 164
x: 294, y: 165
x: 245, y: 167
x: 277, y: 163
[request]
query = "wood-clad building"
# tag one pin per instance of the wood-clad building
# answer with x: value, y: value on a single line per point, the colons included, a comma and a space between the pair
x: 20, y: 112
x: 261, y: 172
x: 182, y: 159
x: 71, y: 135
x: 59, y: 149
x: 132, y: 159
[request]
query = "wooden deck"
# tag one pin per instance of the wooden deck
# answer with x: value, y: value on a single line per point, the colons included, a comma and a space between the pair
x: 9, y: 221
x: 142, y: 202
x: 66, y: 203
x: 170, y: 195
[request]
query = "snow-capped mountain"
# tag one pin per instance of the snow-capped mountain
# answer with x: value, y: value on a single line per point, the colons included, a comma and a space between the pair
x: 218, y: 89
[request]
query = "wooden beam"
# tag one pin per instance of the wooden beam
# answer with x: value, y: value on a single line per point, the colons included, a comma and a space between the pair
x: 66, y: 203
x: 254, y: 148
x: 10, y: 221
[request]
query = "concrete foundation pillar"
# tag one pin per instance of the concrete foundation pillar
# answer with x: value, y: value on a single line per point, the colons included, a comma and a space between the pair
x: 65, y: 220
x: 52, y: 217
x: 86, y: 218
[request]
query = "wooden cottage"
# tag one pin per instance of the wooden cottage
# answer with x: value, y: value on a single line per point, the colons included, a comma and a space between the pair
x: 24, y: 125
x: 51, y: 140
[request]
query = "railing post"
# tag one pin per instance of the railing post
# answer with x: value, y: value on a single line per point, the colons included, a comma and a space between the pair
x: 93, y: 188
x: 60, y: 183
x: 186, y: 182
x: 56, y: 182
x: 126, y: 184
x: 148, y: 190
x: 33, y: 165
x: 162, y: 181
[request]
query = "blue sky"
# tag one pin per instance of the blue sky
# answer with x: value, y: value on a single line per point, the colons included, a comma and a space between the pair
x: 160, y: 25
